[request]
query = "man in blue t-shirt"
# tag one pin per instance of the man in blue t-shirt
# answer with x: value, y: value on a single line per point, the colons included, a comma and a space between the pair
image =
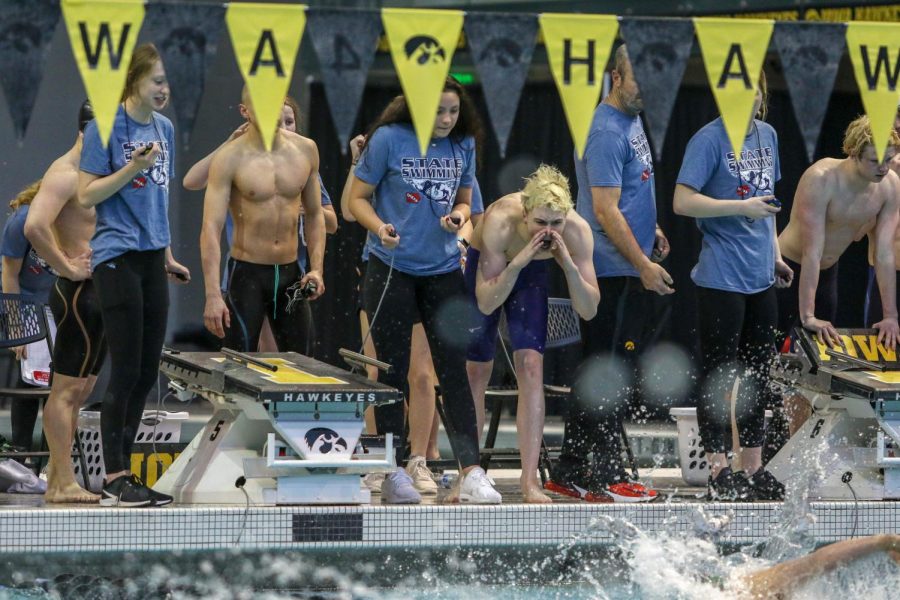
x: 616, y: 197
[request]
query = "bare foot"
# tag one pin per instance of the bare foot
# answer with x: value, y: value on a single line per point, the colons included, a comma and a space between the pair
x: 71, y: 493
x: 533, y: 494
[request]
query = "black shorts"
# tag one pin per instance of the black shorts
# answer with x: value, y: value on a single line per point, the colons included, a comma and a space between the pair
x: 80, y: 345
x: 256, y: 291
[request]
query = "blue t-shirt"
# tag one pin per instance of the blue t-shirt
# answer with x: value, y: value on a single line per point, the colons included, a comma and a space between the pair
x: 738, y: 252
x: 136, y: 217
x: 617, y: 155
x: 413, y: 193
x: 35, y: 278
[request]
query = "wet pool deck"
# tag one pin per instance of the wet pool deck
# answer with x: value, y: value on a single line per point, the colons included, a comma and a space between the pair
x: 27, y: 525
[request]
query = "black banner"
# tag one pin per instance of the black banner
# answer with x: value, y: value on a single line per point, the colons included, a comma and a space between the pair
x: 26, y: 29
x: 659, y: 50
x: 186, y: 37
x: 810, y: 55
x: 501, y: 47
x: 345, y: 43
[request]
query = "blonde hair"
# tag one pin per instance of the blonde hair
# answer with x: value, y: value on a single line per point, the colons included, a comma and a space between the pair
x: 547, y: 187
x: 859, y: 135
x: 25, y: 196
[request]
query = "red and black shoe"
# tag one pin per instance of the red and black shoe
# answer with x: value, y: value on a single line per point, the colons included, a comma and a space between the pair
x: 574, y: 491
x: 631, y: 491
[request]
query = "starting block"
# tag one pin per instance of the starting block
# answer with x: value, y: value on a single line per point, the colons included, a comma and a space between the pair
x: 853, y: 435
x: 284, y: 430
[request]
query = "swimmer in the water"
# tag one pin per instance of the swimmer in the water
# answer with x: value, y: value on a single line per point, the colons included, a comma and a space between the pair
x: 785, y: 579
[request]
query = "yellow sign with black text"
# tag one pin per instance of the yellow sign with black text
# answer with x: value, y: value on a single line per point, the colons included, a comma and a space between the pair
x: 422, y: 44
x: 733, y: 51
x: 578, y: 48
x: 857, y: 345
x: 266, y: 38
x: 874, y: 50
x: 103, y: 34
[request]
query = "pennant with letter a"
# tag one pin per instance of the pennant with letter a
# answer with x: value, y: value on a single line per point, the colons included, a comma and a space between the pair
x: 875, y: 53
x: 266, y: 38
x: 502, y: 45
x: 186, y: 36
x: 103, y: 34
x: 810, y: 55
x: 658, y: 50
x: 26, y: 29
x: 345, y: 42
x: 733, y: 51
x: 422, y: 44
x: 578, y: 48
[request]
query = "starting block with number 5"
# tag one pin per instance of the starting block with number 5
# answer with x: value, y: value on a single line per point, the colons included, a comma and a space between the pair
x: 285, y: 428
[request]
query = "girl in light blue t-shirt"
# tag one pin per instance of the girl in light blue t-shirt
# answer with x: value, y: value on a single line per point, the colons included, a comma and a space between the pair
x: 732, y: 198
x: 413, y: 207
x: 128, y: 181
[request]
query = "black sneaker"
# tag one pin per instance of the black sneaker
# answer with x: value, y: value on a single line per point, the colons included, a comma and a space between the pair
x: 159, y: 499
x: 765, y: 486
x: 125, y: 492
x: 729, y: 486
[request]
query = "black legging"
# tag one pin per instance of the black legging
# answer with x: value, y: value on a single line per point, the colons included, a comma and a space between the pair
x: 23, y: 413
x: 621, y: 328
x: 134, y: 300
x: 444, y: 308
x: 737, y: 338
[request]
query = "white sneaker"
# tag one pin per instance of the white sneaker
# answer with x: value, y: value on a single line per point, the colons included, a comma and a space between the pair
x: 373, y: 481
x: 476, y: 488
x: 421, y: 475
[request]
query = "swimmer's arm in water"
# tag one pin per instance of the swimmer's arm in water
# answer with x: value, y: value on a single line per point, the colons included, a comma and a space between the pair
x: 494, y: 278
x: 689, y: 202
x: 56, y: 190
x: 314, y: 219
x: 197, y: 176
x: 215, y: 208
x: 885, y: 269
x: 356, y: 145
x: 606, y: 209
x: 781, y: 580
x: 94, y: 189
x: 810, y: 208
x: 578, y: 245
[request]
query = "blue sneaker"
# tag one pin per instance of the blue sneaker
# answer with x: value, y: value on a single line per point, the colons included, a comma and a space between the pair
x: 398, y: 488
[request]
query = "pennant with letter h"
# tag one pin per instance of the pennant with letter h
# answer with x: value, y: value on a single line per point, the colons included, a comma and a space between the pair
x: 875, y: 53
x: 578, y: 48
x: 266, y: 38
x: 422, y: 45
x: 733, y: 51
x: 103, y: 34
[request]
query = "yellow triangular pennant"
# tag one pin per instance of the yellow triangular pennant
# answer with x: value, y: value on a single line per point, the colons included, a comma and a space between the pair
x: 266, y: 38
x: 103, y: 34
x: 422, y: 45
x: 578, y: 48
x: 733, y: 51
x: 875, y: 51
